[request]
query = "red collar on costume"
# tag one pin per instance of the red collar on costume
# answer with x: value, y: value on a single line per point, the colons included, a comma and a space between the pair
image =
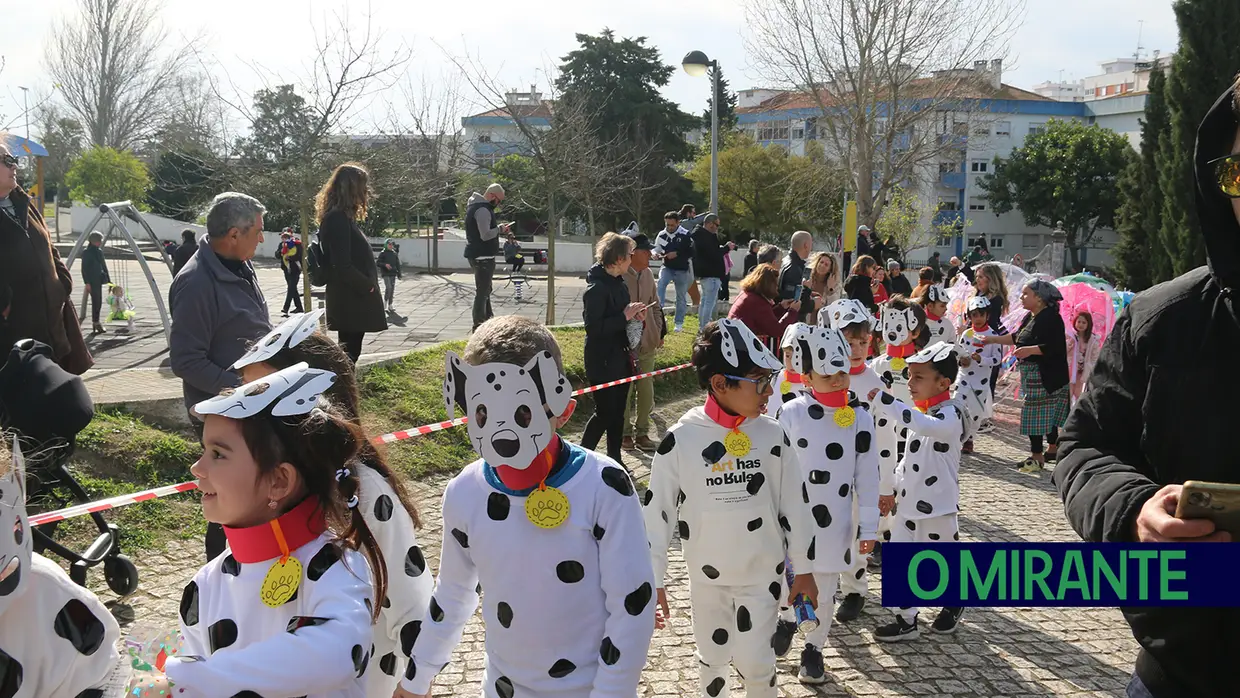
x: 286, y: 533
x: 538, y: 471
x: 901, y: 352
x: 982, y: 327
x: 793, y: 378
x: 836, y: 399
x: 925, y: 405
x: 934, y: 317
x: 857, y: 370
x: 720, y: 416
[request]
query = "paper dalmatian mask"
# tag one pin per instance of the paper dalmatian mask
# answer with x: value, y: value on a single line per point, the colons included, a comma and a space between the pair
x: 739, y: 340
x: 939, y: 351
x: 936, y: 294
x: 291, y: 391
x: 823, y: 350
x: 898, y: 326
x: 977, y: 303
x: 15, y: 549
x: 289, y: 333
x: 847, y: 312
x: 510, y: 407
x: 795, y: 331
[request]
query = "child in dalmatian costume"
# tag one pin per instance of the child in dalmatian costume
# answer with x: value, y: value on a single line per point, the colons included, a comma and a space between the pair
x: 726, y: 478
x: 551, y: 531
x: 56, y: 638
x: 789, y: 384
x: 382, y: 501
x: 288, y: 609
x: 978, y: 360
x: 928, y: 475
x: 852, y: 319
x: 834, y: 441
x: 902, y: 324
x: 934, y: 302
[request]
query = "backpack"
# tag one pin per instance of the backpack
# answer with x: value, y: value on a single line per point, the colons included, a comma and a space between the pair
x: 317, y: 267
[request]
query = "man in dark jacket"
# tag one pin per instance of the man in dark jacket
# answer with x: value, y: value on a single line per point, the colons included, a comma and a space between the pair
x: 482, y: 231
x: 675, y: 247
x: 708, y: 265
x: 95, y: 276
x: 389, y: 269
x: 1126, y: 449
x: 289, y: 253
x: 897, y: 280
x: 185, y: 250
x: 793, y: 276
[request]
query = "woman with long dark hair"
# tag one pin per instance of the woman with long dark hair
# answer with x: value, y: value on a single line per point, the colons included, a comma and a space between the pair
x: 354, y: 304
x: 861, y: 284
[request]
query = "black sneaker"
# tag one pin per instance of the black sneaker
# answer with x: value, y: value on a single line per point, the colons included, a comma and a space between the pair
x: 812, y: 671
x: 781, y: 641
x: 897, y: 631
x: 876, y: 557
x: 947, y: 620
x: 850, y: 608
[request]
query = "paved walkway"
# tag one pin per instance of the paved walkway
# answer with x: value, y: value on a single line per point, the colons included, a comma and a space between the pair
x: 429, y: 309
x: 996, y: 652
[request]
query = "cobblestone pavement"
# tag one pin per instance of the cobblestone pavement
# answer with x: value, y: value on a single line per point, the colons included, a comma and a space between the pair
x: 429, y: 309
x: 996, y: 652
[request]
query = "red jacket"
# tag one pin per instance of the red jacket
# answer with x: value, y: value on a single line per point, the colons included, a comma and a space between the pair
x: 761, y: 316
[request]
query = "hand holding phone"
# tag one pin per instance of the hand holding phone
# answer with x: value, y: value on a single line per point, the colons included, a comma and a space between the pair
x: 1218, y: 502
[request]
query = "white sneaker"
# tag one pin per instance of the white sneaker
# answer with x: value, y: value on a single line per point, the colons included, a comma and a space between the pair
x: 678, y: 328
x: 985, y: 427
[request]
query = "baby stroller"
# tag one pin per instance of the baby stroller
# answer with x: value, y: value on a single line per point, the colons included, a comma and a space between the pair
x: 48, y: 407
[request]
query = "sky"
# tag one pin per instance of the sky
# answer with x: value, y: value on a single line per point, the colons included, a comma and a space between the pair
x: 517, y: 40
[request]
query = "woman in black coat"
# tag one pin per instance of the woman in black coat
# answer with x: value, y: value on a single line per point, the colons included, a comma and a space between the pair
x: 354, y: 303
x: 608, y: 357
x: 860, y: 282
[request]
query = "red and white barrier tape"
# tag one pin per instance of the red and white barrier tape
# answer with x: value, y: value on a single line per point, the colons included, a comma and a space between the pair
x: 126, y: 499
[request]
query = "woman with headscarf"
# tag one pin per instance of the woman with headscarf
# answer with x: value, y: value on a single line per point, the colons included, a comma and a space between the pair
x: 1042, y: 353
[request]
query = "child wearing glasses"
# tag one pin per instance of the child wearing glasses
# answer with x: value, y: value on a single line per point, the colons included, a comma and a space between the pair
x: 727, y: 480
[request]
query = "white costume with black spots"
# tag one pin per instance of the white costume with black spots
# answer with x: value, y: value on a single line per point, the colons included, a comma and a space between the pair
x: 593, y: 569
x: 318, y: 643
x: 785, y: 388
x: 734, y: 515
x: 56, y: 638
x: 409, y: 583
x: 940, y: 330
x: 856, y: 580
x: 973, y: 381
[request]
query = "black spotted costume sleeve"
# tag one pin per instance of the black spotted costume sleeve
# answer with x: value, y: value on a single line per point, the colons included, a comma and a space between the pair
x: 945, y: 425
x: 661, y: 503
x: 628, y: 587
x: 453, y: 603
x: 324, y: 647
x: 794, y: 509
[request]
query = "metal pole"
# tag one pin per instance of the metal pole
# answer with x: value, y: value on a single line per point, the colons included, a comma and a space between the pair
x: 714, y: 137
x: 26, y: 108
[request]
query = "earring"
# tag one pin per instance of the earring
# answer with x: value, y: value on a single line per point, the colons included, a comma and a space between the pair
x: 273, y: 504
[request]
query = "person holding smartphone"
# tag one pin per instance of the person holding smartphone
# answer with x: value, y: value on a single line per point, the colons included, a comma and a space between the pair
x: 640, y: 282
x: 1160, y: 409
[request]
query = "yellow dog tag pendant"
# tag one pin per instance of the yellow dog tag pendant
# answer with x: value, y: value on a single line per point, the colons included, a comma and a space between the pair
x: 281, y: 582
x: 547, y: 507
x: 737, y: 443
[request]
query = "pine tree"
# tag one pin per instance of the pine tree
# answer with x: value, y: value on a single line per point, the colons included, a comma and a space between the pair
x: 727, y: 114
x: 1204, y: 66
x: 1142, y: 256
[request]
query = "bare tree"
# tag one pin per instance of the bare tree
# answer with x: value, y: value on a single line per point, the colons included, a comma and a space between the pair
x: 116, y: 68
x: 891, y: 78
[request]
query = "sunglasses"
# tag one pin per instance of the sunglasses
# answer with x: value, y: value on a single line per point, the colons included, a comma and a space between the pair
x: 1227, y: 174
x: 8, y: 161
x: 759, y: 384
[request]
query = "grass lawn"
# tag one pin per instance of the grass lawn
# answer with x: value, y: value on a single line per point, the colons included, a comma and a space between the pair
x: 119, y: 453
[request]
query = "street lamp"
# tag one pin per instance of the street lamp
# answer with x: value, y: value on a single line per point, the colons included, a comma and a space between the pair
x: 26, y: 108
x: 696, y: 64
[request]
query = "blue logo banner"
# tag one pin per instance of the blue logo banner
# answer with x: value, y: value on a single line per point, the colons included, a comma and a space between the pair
x: 1060, y: 574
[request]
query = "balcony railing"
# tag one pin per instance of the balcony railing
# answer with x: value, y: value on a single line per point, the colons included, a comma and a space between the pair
x: 952, y: 180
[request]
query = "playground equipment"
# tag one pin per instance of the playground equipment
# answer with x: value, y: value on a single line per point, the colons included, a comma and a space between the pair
x: 115, y: 213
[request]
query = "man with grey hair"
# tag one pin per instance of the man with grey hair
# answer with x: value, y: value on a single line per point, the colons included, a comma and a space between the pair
x: 482, y: 245
x: 709, y: 266
x: 793, y: 276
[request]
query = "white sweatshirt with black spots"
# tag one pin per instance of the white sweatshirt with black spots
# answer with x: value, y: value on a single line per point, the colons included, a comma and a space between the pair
x: 940, y: 330
x: 862, y: 383
x: 408, y: 581
x: 973, y: 382
x: 837, y: 463
x: 734, y: 513
x: 56, y: 638
x: 318, y: 643
x: 593, y: 569
x: 928, y: 476
x: 888, y: 433
x: 783, y: 390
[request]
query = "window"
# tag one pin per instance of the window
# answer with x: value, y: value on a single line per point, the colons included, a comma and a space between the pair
x: 1035, y: 129
x: 811, y: 128
x: 979, y: 166
x: 1031, y: 242
x: 996, y: 243
x: 947, y: 205
x: 484, y: 138
x: 1003, y: 128
x: 977, y: 206
x: 960, y: 128
x: 949, y: 167
x: 798, y: 134
x: 775, y: 132
x: 981, y: 130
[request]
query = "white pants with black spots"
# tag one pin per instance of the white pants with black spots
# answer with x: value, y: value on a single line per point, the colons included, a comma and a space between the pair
x: 827, y: 583
x: 734, y: 625
x: 857, y: 579
x: 935, y: 529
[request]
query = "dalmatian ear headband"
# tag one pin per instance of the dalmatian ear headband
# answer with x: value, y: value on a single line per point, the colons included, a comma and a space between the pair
x: 510, y: 407
x: 289, y: 333
x: 824, y: 350
x: 898, y: 325
x: 936, y: 294
x: 848, y: 311
x: 15, y: 549
x: 977, y: 303
x: 794, y: 331
x: 939, y: 351
x: 737, y: 339
x: 291, y: 391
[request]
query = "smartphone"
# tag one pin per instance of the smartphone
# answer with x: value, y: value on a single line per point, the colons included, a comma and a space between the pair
x: 1216, y: 501
x: 652, y: 304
